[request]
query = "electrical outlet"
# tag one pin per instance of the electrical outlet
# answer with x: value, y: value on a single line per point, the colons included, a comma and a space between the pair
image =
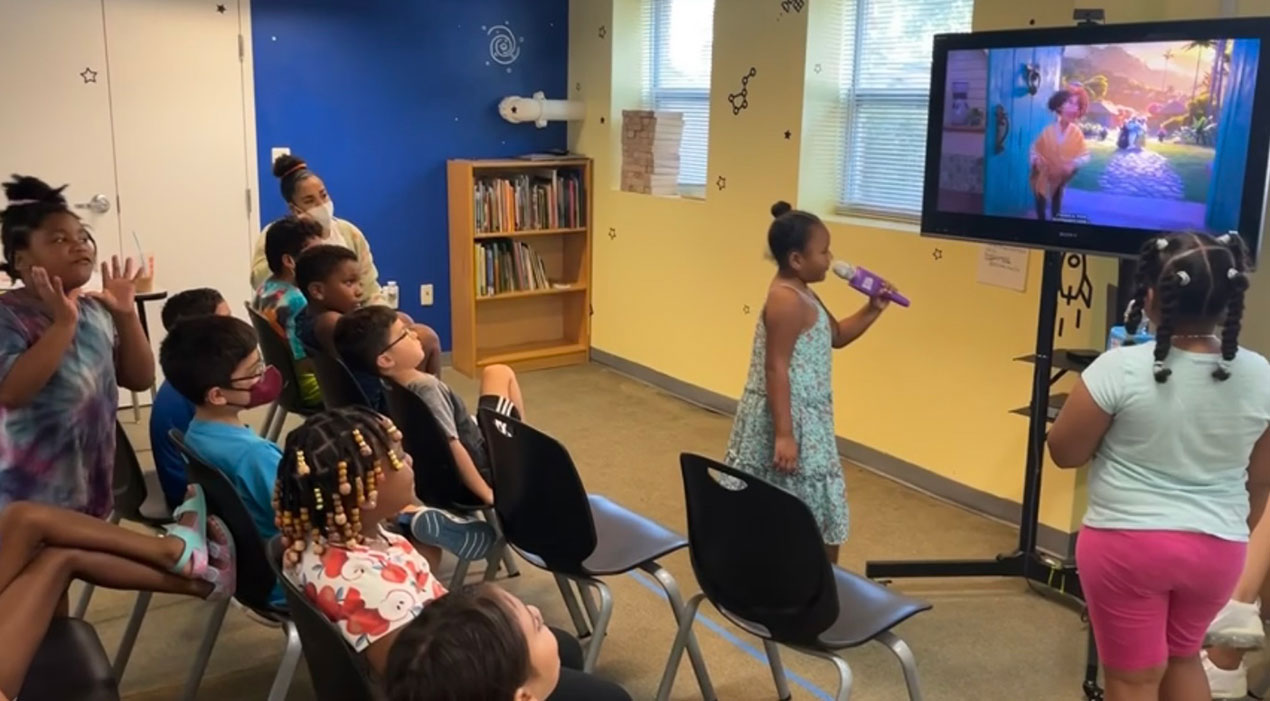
x: 278, y: 151
x: 425, y: 295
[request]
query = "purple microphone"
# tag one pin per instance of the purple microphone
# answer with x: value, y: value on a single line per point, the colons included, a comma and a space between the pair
x: 864, y: 281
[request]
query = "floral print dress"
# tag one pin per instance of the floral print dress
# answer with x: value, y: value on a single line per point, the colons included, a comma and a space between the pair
x: 818, y: 481
x: 367, y: 591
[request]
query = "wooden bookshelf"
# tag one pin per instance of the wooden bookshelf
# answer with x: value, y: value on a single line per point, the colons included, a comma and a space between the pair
x: 527, y: 328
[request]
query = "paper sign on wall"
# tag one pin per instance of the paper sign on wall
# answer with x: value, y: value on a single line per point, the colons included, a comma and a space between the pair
x: 1004, y: 266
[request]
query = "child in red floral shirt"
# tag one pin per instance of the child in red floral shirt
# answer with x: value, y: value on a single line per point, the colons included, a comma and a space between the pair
x: 343, y: 474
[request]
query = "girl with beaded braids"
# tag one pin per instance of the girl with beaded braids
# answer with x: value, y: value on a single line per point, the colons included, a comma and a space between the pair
x: 1172, y: 445
x: 343, y: 473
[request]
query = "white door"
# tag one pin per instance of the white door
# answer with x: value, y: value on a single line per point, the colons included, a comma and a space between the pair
x: 176, y: 82
x: 55, y: 121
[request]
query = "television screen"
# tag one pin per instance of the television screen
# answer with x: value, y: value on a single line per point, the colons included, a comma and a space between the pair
x: 1094, y: 138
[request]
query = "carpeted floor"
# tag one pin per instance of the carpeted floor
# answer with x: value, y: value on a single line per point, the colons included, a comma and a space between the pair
x: 985, y: 639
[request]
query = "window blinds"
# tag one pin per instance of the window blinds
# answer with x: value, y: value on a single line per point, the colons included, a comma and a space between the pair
x: 680, y: 43
x: 884, y: 83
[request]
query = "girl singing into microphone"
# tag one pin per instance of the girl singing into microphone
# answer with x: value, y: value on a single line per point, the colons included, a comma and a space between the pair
x: 783, y: 431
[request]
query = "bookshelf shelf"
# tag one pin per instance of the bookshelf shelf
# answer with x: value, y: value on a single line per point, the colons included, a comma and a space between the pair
x: 527, y: 322
x: 572, y: 289
x: 528, y: 233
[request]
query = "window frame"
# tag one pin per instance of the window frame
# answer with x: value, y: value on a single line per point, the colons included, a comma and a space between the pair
x: 656, y: 93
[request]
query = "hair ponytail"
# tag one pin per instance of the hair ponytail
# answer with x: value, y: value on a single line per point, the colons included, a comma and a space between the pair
x: 30, y: 201
x: 1233, y: 322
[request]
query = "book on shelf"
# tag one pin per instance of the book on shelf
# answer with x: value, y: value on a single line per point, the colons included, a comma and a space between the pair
x: 546, y: 199
x: 504, y: 266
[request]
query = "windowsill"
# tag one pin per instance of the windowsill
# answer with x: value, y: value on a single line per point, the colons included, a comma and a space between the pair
x: 691, y: 193
x: 907, y: 226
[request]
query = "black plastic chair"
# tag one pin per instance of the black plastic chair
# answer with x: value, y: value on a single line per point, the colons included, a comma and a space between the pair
x: 131, y: 493
x: 276, y: 350
x: 338, y: 673
x: 437, y: 481
x: 339, y: 387
x: 256, y: 579
x: 795, y: 598
x: 549, y: 518
x: 70, y: 664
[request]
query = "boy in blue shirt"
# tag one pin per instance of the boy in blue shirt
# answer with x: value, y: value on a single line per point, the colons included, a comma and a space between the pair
x: 170, y: 409
x: 213, y: 361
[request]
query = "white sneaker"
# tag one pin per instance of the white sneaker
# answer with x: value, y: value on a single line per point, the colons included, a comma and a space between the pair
x: 1238, y: 625
x: 1226, y: 683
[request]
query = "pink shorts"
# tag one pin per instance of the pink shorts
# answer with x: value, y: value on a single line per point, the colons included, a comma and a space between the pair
x: 1152, y: 594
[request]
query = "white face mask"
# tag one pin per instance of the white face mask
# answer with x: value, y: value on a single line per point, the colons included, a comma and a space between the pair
x: 323, y: 214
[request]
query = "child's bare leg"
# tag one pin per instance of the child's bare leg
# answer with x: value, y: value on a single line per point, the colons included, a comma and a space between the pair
x: 32, y: 599
x: 431, y: 343
x: 500, y: 380
x: 26, y: 527
x: 1184, y: 680
x: 1252, y: 580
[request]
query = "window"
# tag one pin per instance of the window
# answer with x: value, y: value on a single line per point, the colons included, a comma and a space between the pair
x: 884, y: 81
x: 680, y: 42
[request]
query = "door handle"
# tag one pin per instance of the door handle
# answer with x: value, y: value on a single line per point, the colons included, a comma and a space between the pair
x: 99, y: 204
x: 1003, y: 128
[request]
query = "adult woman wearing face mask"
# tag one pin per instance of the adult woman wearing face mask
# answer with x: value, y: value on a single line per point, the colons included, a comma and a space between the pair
x: 306, y: 196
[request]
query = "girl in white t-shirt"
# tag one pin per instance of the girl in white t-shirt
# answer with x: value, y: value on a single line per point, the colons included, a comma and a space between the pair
x: 1173, y: 429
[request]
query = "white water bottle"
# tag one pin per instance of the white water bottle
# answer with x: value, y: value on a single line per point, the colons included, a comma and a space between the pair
x: 392, y: 295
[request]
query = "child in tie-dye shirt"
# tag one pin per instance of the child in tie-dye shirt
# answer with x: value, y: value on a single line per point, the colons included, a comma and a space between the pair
x: 63, y: 353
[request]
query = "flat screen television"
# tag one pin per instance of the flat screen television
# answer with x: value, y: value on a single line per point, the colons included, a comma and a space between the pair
x: 1094, y: 138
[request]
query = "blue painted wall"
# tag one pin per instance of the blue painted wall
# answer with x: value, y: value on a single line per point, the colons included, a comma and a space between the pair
x: 377, y: 94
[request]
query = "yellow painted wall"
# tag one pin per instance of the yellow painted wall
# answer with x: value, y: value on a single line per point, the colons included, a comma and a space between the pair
x: 679, y: 286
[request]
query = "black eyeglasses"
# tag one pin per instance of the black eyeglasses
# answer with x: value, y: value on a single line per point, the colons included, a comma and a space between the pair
x: 402, y: 337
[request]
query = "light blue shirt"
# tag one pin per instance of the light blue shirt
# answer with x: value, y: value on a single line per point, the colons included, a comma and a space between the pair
x: 1176, y: 455
x: 251, y: 464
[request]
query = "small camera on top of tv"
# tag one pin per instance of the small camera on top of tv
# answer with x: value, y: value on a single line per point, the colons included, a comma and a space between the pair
x: 1089, y: 15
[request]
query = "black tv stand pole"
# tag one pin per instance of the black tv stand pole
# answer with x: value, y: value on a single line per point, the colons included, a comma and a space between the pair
x: 1025, y: 561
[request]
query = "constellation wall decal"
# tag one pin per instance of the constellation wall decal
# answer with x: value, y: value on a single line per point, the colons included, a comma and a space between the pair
x: 741, y: 100
x: 793, y: 5
x: 1078, y: 294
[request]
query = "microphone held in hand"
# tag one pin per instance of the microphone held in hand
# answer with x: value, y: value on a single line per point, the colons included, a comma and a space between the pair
x: 868, y: 283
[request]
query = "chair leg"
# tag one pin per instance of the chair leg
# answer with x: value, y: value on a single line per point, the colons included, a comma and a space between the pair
x: 86, y: 593
x: 494, y: 559
x: 286, y: 668
x: 506, y: 554
x: 778, y: 670
x: 130, y: 633
x: 601, y: 623
x: 844, y: 672
x: 571, y: 603
x: 276, y: 431
x: 677, y: 607
x: 268, y: 422
x: 204, y: 653
x: 588, y: 603
x: 908, y: 663
x: 460, y: 574
x: 677, y: 648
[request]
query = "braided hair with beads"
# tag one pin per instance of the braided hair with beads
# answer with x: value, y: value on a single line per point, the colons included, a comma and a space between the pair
x: 1196, y: 278
x: 329, y: 471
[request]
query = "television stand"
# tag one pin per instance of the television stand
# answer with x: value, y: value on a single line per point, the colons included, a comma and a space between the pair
x: 1026, y: 561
